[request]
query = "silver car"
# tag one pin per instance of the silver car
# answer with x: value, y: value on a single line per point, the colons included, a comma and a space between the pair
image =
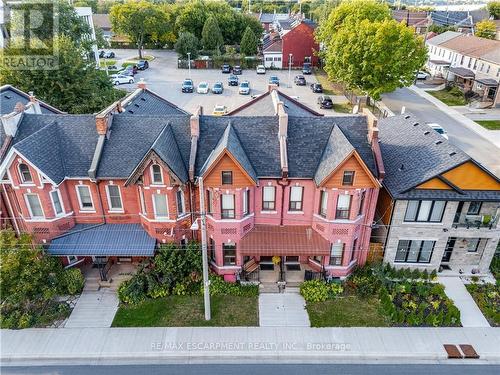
x: 244, y: 88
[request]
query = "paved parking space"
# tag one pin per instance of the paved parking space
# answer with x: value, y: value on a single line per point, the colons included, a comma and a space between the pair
x: 165, y: 79
x: 282, y: 310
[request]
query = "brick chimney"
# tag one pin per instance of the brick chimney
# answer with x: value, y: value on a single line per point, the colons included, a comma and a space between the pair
x: 271, y: 87
x: 19, y: 107
x: 35, y: 103
x: 373, y: 139
x: 282, y: 136
x: 142, y: 84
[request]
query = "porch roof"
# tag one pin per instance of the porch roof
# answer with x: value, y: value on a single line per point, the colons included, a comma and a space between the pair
x: 440, y: 62
x: 104, y: 240
x: 291, y: 240
x: 490, y: 82
x: 462, y: 72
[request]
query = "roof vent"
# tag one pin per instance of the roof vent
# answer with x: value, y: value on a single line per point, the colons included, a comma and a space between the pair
x: 7, y: 97
x: 137, y: 105
x: 407, y: 117
x: 415, y: 124
x: 143, y: 99
x: 426, y: 132
x: 453, y: 153
x: 438, y: 142
x: 130, y: 111
x: 402, y: 168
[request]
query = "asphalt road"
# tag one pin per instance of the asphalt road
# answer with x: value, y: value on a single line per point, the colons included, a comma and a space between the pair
x: 254, y: 369
x: 476, y: 146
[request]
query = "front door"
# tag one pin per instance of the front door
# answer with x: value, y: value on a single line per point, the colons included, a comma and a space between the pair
x: 448, y: 250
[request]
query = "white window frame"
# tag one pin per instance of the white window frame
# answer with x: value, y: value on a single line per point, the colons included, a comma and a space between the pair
x: 70, y: 261
x: 58, y: 193
x: 142, y: 200
x: 21, y: 176
x: 85, y: 209
x: 153, y: 182
x: 183, y: 202
x: 154, y: 206
x: 29, y: 206
x: 108, y: 197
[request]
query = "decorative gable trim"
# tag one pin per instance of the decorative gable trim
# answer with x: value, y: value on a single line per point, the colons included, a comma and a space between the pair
x: 151, y: 156
x: 211, y: 167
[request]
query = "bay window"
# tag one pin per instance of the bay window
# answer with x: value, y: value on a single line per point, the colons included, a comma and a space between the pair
x: 229, y: 254
x: 246, y: 202
x: 295, y: 198
x: 323, y: 203
x: 414, y: 251
x: 268, y: 198
x: 34, y: 206
x: 227, y: 206
x: 180, y: 202
x: 343, y: 206
x: 336, y: 254
x: 425, y: 211
x: 56, y: 202
x: 160, y: 206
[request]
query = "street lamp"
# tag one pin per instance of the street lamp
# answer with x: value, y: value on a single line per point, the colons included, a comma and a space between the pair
x: 290, y: 70
x: 189, y: 63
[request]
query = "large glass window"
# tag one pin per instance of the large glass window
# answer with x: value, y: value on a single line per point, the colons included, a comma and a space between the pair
x: 25, y: 174
x: 425, y: 211
x: 35, y: 208
x: 343, y: 206
x: 336, y: 253
x: 473, y: 244
x: 56, y: 202
x: 156, y: 173
x: 474, y: 208
x: 246, y: 202
x: 84, y: 197
x: 296, y: 198
x: 268, y: 198
x: 114, y: 197
x: 227, y: 204
x: 160, y: 205
x: 414, y: 251
x: 180, y: 202
x: 229, y: 254
x: 323, y: 203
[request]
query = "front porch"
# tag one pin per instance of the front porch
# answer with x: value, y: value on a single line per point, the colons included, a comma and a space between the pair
x: 116, y: 272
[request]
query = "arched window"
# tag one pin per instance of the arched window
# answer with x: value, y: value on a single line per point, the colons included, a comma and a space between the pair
x: 156, y: 174
x: 25, y: 173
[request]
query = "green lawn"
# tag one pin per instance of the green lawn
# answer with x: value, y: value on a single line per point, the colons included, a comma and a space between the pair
x: 449, y: 97
x: 342, y: 108
x: 188, y: 311
x: 490, y: 124
x: 350, y: 311
x: 329, y: 88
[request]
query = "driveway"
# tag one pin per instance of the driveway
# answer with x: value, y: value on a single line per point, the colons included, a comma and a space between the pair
x: 164, y: 78
x: 94, y: 309
x: 461, y: 136
x: 282, y: 310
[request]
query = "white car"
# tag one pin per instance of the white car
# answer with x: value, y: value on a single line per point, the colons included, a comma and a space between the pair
x: 422, y: 75
x: 203, y: 88
x: 261, y: 69
x: 438, y: 129
x: 119, y: 79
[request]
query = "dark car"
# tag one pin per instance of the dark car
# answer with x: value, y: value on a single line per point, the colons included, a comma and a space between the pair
x: 274, y: 80
x: 237, y: 70
x: 306, y: 68
x: 129, y: 69
x: 188, y: 85
x: 316, y: 87
x: 142, y: 65
x: 226, y: 68
x: 218, y: 88
x: 232, y: 80
x: 325, y: 102
x: 109, y: 55
x: 300, y: 80
x: 101, y: 54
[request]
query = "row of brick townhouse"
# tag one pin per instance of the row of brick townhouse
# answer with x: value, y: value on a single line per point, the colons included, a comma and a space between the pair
x: 288, y: 182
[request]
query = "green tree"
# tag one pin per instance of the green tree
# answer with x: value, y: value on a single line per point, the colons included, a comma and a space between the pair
x: 486, y: 29
x: 75, y: 87
x: 187, y: 42
x: 139, y: 20
x: 211, y: 37
x: 494, y: 9
x: 87, y: 3
x: 248, y: 45
x: 438, y: 29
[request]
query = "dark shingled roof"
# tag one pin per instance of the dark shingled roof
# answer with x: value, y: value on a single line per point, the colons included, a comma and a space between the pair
x: 412, y: 156
x: 150, y: 104
x: 257, y: 135
x: 230, y: 142
x: 59, y: 145
x: 132, y: 137
x: 10, y: 96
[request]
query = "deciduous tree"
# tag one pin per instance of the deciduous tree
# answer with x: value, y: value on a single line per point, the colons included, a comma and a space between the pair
x: 211, y: 37
x: 187, y: 42
x: 248, y: 45
x: 494, y: 9
x: 486, y: 29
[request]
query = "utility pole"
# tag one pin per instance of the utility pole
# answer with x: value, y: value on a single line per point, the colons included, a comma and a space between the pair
x: 206, y: 281
x: 290, y: 70
x: 189, y: 63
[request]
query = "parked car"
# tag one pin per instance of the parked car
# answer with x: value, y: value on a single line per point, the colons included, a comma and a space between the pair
x: 261, y: 69
x: 119, y: 79
x: 109, y: 55
x: 316, y: 87
x: 307, y: 68
x: 101, y: 54
x: 244, y: 88
x: 219, y: 110
x: 438, y: 129
x: 300, y: 80
x: 129, y: 70
x: 226, y: 68
x: 325, y: 102
x: 422, y: 75
x: 187, y: 85
x: 274, y: 80
x: 143, y: 64
x: 203, y: 88
x: 218, y: 88
x: 237, y: 70
x: 232, y: 80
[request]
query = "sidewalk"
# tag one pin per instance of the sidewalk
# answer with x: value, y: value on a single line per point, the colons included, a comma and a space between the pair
x: 492, y: 136
x: 470, y: 314
x: 94, y: 309
x: 244, y: 344
x: 282, y: 310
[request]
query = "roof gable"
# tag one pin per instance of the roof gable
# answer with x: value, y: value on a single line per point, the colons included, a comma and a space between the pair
x: 10, y: 96
x: 362, y: 175
x: 146, y: 102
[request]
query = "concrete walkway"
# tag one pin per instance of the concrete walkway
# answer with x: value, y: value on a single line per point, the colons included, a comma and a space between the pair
x: 282, y: 310
x: 470, y: 315
x: 242, y: 344
x: 94, y: 309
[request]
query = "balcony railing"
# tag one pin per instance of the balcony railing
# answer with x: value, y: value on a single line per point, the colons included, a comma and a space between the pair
x: 476, y: 221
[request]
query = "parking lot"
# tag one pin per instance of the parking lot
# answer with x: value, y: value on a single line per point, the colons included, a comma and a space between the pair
x: 164, y: 78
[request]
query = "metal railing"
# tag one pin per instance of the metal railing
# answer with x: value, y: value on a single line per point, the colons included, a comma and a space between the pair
x: 252, y: 277
x: 475, y: 221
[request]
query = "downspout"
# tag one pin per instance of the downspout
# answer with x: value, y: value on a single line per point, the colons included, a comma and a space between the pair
x: 283, y: 185
x: 100, y: 202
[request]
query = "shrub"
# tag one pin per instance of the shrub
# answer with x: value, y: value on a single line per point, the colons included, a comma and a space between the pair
x: 314, y: 291
x: 220, y: 287
x: 363, y: 282
x: 132, y: 291
x: 72, y: 281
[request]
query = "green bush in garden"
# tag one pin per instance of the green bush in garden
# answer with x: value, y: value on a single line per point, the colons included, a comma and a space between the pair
x: 487, y: 297
x: 220, y: 287
x: 319, y: 291
x: 73, y: 281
